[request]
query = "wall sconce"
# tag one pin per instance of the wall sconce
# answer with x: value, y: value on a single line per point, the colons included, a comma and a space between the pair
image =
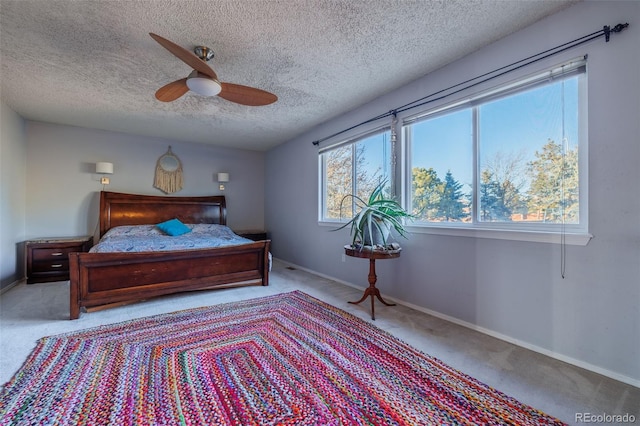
x: 222, y: 179
x: 104, y: 168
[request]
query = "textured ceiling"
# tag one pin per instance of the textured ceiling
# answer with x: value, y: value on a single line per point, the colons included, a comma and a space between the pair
x: 93, y: 64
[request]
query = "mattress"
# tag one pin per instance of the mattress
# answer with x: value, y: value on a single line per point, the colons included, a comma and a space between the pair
x: 148, y: 238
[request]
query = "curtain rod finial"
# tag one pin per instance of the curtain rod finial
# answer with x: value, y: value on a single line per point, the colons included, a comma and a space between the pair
x: 608, y: 30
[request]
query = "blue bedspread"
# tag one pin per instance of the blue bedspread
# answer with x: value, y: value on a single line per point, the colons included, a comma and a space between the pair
x: 145, y: 238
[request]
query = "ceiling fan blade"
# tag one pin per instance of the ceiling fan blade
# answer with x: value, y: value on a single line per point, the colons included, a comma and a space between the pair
x: 245, y: 95
x: 185, y: 56
x: 172, y: 91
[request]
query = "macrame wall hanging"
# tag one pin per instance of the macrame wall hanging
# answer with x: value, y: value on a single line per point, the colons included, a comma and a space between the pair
x: 168, y: 173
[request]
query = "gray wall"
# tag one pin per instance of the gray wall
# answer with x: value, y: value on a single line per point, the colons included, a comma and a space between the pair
x: 63, y: 190
x: 511, y: 289
x: 12, y: 194
x: 48, y: 185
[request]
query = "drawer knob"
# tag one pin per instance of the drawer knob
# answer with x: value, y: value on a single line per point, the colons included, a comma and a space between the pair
x: 57, y: 265
x: 56, y: 254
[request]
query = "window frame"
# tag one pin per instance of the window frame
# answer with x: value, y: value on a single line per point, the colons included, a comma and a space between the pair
x: 349, y: 141
x: 554, y: 233
x: 400, y: 172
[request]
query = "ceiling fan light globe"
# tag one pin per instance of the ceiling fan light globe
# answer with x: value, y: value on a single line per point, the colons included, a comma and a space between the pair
x: 204, y: 86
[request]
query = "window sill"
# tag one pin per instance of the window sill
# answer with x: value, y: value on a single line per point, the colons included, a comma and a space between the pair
x: 576, y: 239
x: 571, y: 238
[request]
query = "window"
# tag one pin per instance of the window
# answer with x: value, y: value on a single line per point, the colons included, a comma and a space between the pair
x: 509, y: 159
x: 354, y: 167
x: 442, y: 167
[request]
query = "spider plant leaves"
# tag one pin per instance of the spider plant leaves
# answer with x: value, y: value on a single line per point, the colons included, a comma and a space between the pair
x: 376, y: 214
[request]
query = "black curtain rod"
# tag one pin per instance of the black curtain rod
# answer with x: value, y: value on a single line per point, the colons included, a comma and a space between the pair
x: 605, y: 31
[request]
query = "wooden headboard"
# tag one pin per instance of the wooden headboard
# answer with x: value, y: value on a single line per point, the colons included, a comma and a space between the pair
x: 117, y: 209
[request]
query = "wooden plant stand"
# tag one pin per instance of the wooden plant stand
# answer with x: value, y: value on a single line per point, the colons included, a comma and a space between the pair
x: 374, y: 255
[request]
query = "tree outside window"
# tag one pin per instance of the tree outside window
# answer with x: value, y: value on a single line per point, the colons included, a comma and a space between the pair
x: 354, y: 168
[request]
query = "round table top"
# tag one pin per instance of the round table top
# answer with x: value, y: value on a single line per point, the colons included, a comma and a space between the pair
x: 371, y: 254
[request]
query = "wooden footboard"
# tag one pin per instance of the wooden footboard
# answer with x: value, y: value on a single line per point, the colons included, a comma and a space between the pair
x: 104, y: 278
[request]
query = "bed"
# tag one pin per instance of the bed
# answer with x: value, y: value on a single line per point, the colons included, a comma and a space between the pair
x: 104, y: 279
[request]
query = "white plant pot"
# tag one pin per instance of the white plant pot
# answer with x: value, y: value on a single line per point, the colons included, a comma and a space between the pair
x: 378, y: 237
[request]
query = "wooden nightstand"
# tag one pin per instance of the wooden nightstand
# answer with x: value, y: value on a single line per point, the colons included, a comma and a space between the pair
x: 252, y: 234
x: 48, y: 258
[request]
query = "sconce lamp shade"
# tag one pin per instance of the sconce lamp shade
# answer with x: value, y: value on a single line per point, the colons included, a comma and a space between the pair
x: 104, y: 168
x: 223, y: 177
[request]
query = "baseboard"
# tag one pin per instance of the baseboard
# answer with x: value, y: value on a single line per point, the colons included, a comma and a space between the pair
x: 569, y: 360
x: 10, y: 286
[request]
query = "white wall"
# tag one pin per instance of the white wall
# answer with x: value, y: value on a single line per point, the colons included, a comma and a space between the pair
x: 508, y: 288
x: 12, y: 194
x: 62, y: 190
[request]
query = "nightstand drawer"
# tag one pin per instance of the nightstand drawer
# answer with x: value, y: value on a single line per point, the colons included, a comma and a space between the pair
x: 48, y: 259
x: 53, y: 254
x: 60, y: 266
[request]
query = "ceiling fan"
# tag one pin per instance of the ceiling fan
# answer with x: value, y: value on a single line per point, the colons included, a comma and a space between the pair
x: 204, y: 81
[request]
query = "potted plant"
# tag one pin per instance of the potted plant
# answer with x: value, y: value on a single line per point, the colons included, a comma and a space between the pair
x: 375, y: 218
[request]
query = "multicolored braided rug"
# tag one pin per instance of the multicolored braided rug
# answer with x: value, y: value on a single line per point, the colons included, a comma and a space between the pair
x: 288, y: 359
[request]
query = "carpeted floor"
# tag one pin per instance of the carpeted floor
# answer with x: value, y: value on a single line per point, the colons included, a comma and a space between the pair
x: 30, y: 312
x: 275, y: 360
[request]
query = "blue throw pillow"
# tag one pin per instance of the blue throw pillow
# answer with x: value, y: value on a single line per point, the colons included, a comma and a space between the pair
x: 173, y: 227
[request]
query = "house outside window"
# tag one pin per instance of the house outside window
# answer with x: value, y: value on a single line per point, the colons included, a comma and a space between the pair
x: 510, y: 159
x: 353, y: 167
